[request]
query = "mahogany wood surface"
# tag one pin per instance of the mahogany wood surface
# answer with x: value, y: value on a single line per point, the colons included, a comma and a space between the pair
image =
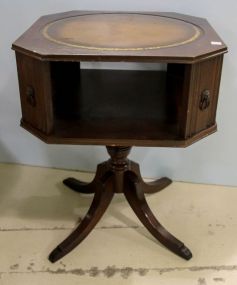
x: 119, y: 175
x: 102, y: 199
x: 35, y: 75
x: 62, y: 103
x: 128, y: 107
x: 75, y: 140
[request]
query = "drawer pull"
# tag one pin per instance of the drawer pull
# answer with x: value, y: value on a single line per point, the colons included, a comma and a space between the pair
x: 205, y: 100
x: 30, y: 96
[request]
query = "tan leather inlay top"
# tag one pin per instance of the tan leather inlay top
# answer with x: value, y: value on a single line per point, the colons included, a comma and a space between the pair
x: 121, y: 31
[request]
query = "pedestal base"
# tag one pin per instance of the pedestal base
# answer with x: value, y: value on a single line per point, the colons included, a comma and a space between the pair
x: 119, y: 175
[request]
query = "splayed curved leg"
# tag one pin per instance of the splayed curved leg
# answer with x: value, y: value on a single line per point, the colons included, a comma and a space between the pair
x: 83, y: 187
x: 118, y: 175
x: 79, y: 186
x: 103, y: 196
x: 150, y: 187
x: 136, y: 198
x: 156, y: 185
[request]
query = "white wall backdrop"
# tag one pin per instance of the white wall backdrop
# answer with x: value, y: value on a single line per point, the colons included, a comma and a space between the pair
x: 212, y: 160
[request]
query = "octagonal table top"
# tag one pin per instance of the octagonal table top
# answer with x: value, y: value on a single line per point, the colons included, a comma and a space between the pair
x: 121, y: 36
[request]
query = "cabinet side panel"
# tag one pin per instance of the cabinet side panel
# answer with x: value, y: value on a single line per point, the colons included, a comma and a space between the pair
x: 178, y: 76
x: 204, y: 92
x: 35, y: 92
x: 216, y: 87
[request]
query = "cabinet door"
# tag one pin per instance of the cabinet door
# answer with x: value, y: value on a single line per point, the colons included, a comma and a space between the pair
x: 35, y: 92
x: 204, y: 91
x: 192, y: 90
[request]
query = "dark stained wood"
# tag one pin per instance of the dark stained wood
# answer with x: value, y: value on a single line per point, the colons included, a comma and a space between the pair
x: 79, y: 186
x: 64, y: 104
x: 35, y: 44
x: 116, y: 106
x: 74, y: 140
x: 118, y: 175
x: 87, y: 188
x: 149, y: 108
x: 135, y: 196
x: 35, y: 75
x: 149, y: 187
x: 101, y: 201
x: 185, y: 84
x: 207, y: 76
x: 176, y: 106
x: 103, y: 170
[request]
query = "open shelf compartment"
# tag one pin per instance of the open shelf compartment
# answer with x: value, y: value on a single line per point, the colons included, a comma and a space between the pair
x: 62, y: 102
x: 116, y: 104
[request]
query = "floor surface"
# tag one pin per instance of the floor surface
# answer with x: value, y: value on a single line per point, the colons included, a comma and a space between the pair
x: 37, y: 212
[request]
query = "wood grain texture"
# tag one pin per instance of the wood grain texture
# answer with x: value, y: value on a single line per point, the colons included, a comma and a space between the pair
x: 207, y: 77
x: 57, y: 138
x: 36, y: 75
x: 35, y: 44
x: 149, y: 108
x: 185, y: 84
x: 101, y: 201
x: 63, y: 104
x: 135, y: 196
x: 118, y: 175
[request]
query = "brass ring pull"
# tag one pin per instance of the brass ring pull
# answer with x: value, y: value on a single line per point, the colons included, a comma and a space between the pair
x: 205, y: 100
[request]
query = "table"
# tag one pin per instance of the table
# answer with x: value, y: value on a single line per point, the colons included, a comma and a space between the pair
x: 173, y: 105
